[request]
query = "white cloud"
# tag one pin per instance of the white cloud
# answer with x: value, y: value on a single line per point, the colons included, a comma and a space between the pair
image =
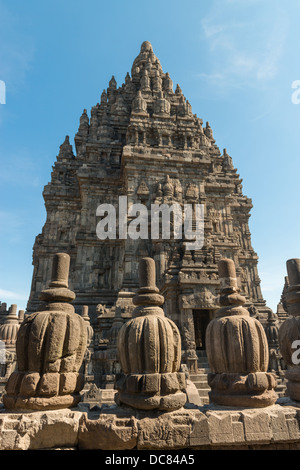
x: 245, y: 47
x: 10, y: 295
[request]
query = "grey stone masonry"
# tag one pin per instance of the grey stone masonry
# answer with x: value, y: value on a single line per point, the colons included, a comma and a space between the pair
x: 191, y: 428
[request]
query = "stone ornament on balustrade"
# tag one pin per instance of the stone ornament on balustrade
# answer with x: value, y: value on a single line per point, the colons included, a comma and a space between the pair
x: 9, y: 329
x: 149, y: 351
x: 289, y: 331
x: 237, y: 350
x: 50, y: 348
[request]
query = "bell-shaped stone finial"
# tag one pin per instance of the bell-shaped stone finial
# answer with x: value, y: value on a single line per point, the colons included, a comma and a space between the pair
x: 149, y: 349
x: 89, y: 328
x: 21, y: 315
x: 50, y: 349
x: 289, y: 331
x: 293, y: 270
x: 237, y: 350
x: 9, y: 329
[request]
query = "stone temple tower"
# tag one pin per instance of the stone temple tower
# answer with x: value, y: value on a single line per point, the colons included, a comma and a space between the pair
x: 143, y: 141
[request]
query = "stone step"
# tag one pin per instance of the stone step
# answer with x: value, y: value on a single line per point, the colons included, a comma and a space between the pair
x: 199, y: 378
x: 201, y: 386
x: 201, y: 353
x: 204, y: 392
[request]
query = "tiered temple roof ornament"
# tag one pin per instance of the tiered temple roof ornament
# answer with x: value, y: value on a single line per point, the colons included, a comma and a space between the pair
x: 66, y: 150
x: 147, y: 95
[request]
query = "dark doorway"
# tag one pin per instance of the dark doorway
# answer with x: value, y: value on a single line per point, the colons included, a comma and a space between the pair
x: 201, y: 320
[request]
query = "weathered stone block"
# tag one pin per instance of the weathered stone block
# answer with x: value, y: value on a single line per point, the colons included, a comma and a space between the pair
x: 279, y: 427
x: 14, y: 382
x: 67, y: 383
x: 181, y: 380
x: 237, y: 428
x: 29, y: 384
x: 79, y: 382
x: 199, y: 431
x: 172, y: 401
x: 108, y: 433
x: 151, y: 383
x: 133, y: 383
x: 40, y: 430
x: 169, y: 383
x: 49, y: 385
x: 220, y: 428
x: 256, y: 425
x: 120, y: 382
x: 258, y: 381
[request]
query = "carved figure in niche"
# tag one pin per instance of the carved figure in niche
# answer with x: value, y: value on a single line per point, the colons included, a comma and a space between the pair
x: 143, y: 189
x: 214, y: 215
x: 192, y: 192
x: 100, y: 310
x: 178, y: 191
x: 168, y: 188
x: 253, y: 311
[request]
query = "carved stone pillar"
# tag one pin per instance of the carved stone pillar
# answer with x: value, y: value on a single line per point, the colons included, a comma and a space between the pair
x: 237, y: 350
x: 87, y: 365
x: 9, y: 329
x: 289, y: 331
x: 149, y: 350
x: 188, y: 339
x: 50, y: 348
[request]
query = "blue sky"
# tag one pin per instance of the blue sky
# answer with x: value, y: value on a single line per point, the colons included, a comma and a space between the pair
x: 235, y: 61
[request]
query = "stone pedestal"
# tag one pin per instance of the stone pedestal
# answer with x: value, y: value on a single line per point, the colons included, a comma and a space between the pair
x: 119, y: 428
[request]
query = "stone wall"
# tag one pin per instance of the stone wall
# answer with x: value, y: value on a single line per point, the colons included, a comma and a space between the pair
x: 190, y: 429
